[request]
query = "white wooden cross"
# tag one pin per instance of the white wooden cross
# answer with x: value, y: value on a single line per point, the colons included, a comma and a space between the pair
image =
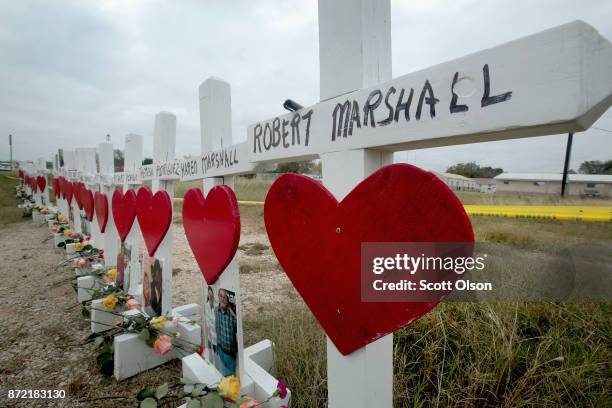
x: 87, y: 171
x: 125, y: 180
x: 552, y: 82
x: 110, y: 237
x: 42, y: 171
x: 131, y: 354
x: 220, y: 162
x: 132, y: 159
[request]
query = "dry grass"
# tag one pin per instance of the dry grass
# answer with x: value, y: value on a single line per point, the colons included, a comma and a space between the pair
x: 509, y: 355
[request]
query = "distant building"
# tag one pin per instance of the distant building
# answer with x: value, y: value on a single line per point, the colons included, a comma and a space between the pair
x: 485, y: 185
x: 457, y: 182
x: 589, y: 185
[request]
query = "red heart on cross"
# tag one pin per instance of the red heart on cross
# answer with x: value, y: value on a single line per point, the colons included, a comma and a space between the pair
x: 317, y: 241
x: 56, y: 187
x: 62, y: 182
x: 212, y: 227
x: 77, y: 187
x: 87, y: 199
x: 41, y: 181
x: 68, y: 191
x: 154, y: 213
x: 124, y: 211
x: 101, y: 206
x: 32, y: 183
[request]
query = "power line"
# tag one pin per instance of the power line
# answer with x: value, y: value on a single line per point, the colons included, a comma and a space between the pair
x: 602, y: 129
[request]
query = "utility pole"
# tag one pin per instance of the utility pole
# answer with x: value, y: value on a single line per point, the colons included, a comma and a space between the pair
x: 11, y: 150
x: 568, y: 152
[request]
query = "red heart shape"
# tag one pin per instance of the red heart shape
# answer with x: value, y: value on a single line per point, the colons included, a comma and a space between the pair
x: 101, y: 206
x: 56, y: 187
x: 318, y: 243
x: 124, y: 211
x: 87, y: 199
x: 79, y: 192
x: 154, y: 213
x: 42, y: 183
x: 68, y: 191
x: 62, y: 184
x: 212, y: 227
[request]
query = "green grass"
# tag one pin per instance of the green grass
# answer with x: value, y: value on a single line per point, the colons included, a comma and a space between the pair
x: 9, y: 213
x: 510, y: 355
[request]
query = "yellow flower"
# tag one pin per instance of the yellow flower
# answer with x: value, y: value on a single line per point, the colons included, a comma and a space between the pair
x: 158, y: 323
x: 229, y: 387
x: 78, y: 246
x: 67, y: 231
x: 109, y: 302
x: 60, y: 217
x: 111, y: 274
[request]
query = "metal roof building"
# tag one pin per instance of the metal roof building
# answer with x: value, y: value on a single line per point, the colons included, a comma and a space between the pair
x: 585, y: 185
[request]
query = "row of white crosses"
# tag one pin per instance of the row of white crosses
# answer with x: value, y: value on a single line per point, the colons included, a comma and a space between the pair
x: 553, y: 82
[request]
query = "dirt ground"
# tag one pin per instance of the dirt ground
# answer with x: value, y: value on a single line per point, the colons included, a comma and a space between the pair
x: 43, y: 343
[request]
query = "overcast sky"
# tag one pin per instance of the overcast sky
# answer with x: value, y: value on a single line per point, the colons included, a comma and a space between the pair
x: 73, y: 71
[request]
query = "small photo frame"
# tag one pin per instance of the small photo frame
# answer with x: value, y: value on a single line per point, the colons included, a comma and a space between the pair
x: 153, y: 285
x: 221, y: 324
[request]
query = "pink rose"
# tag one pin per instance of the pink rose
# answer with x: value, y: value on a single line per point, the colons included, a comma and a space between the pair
x: 81, y: 263
x: 282, y: 390
x: 163, y: 344
x: 132, y: 304
x: 250, y: 403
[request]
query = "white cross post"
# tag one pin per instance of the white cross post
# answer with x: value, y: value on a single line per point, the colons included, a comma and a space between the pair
x: 88, y: 170
x: 510, y: 91
x: 255, y: 363
x: 355, y: 53
x: 132, y: 159
x: 107, y: 169
x: 131, y: 354
x: 42, y: 171
x: 164, y: 142
x: 61, y: 202
x: 70, y: 167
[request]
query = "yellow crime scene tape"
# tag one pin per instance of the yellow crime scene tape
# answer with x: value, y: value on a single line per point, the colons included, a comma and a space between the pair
x: 544, y: 212
x: 538, y: 212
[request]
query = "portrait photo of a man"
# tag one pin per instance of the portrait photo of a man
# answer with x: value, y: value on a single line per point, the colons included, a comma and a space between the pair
x: 225, y: 328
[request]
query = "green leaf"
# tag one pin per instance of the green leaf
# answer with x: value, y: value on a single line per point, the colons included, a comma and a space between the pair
x: 145, y: 393
x: 144, y: 335
x: 197, y: 390
x: 211, y: 400
x: 108, y: 368
x: 107, y: 348
x: 85, y: 313
x: 98, y: 341
x: 150, y: 341
x: 161, y: 391
x: 148, y: 403
x: 103, y: 358
x: 193, y: 404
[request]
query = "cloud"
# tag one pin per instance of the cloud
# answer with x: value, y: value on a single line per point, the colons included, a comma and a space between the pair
x: 73, y: 71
